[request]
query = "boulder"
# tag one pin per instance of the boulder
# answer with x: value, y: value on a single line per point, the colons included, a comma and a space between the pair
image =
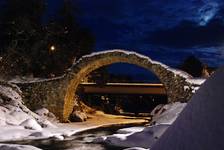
x: 78, y: 116
x: 46, y: 114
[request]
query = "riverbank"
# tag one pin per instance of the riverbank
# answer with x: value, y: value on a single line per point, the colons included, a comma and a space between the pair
x: 68, y: 131
x: 94, y: 132
x: 100, y: 119
x: 20, y: 125
x: 63, y: 130
x: 17, y: 122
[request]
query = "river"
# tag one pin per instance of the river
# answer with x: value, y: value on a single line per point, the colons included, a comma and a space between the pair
x: 79, y: 141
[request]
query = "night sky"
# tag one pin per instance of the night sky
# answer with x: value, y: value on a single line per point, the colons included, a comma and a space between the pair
x: 167, y: 31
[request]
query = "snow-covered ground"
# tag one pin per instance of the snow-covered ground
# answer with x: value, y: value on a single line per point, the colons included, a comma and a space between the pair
x: 145, y: 137
x: 17, y: 147
x: 17, y: 122
x: 200, y: 125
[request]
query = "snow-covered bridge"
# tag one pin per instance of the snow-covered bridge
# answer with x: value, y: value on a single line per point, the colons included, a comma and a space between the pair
x: 59, y: 94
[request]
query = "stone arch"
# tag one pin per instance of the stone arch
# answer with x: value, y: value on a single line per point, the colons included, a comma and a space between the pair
x: 173, y: 80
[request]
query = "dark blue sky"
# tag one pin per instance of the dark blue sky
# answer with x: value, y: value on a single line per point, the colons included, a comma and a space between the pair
x: 167, y: 31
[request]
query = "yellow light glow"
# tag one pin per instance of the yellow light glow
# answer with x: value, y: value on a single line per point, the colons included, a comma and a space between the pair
x: 52, y: 48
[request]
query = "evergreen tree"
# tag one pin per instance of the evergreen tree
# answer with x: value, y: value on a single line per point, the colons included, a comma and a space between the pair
x: 193, y: 66
x: 30, y: 47
x: 20, y: 29
x: 68, y: 40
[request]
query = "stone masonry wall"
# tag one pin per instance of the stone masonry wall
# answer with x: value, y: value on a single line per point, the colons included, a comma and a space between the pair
x: 45, y: 93
x: 58, y: 94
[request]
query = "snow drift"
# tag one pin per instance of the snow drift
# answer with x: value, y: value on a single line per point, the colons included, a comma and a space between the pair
x: 17, y: 147
x: 14, y: 112
x: 145, y: 137
x: 200, y: 125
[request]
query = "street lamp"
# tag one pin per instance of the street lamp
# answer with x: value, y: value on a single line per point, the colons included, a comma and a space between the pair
x: 52, y: 48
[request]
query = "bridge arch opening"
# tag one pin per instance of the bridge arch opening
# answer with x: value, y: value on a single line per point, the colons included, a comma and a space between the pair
x: 121, y: 73
x: 91, y: 62
x: 122, y: 88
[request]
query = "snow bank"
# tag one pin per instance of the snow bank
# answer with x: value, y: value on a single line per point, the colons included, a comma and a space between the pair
x: 31, y: 124
x: 145, y: 137
x: 167, y: 114
x: 17, y: 147
x: 8, y: 133
x: 200, y: 125
x: 12, y: 109
x: 15, y: 133
x: 129, y: 130
x: 17, y: 122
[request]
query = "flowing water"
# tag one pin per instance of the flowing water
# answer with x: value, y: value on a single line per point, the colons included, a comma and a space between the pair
x: 80, y: 141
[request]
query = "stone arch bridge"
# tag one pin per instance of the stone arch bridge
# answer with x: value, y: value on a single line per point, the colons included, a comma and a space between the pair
x: 58, y: 94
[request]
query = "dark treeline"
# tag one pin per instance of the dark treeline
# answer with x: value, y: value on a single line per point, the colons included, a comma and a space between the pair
x: 29, y: 46
x: 196, y: 68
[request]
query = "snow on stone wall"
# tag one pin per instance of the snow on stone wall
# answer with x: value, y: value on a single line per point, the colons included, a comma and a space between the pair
x: 58, y: 94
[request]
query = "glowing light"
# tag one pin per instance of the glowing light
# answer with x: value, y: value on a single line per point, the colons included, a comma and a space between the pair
x: 52, y: 48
